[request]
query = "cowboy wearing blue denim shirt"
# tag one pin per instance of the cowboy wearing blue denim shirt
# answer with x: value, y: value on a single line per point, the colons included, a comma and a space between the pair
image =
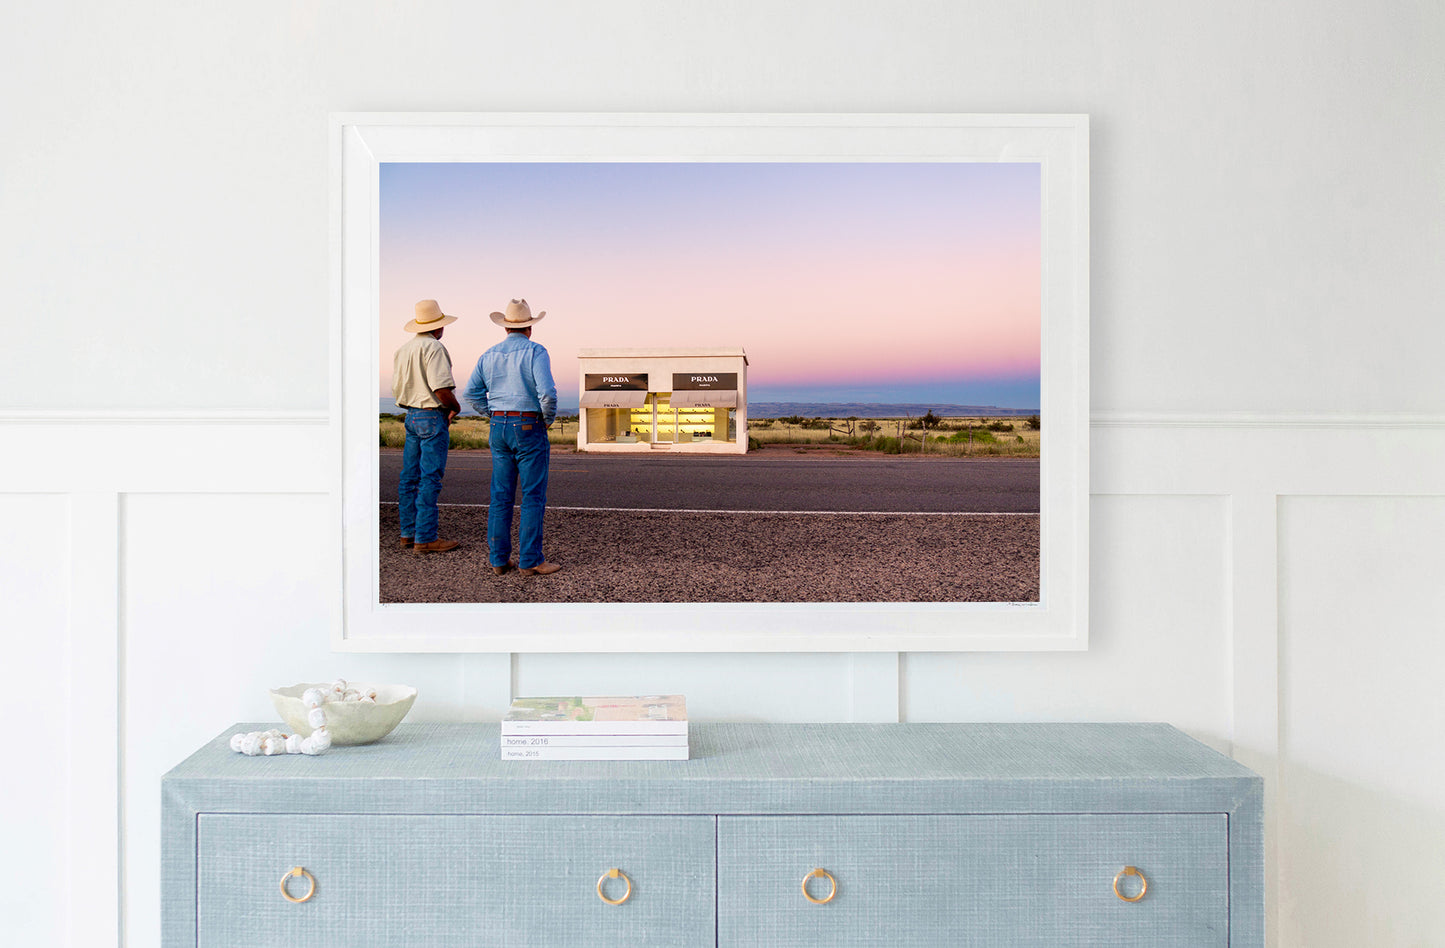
x: 421, y: 382
x: 512, y: 384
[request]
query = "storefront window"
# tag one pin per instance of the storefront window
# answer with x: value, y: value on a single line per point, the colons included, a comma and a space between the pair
x: 642, y: 420
x: 658, y: 419
x: 610, y: 426
x: 693, y: 423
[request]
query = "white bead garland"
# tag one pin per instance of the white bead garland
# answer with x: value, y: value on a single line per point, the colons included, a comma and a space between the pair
x: 273, y: 742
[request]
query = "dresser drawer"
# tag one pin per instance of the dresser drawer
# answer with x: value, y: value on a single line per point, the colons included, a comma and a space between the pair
x: 988, y: 880
x: 453, y: 880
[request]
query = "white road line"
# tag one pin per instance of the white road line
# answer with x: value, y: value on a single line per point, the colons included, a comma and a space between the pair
x: 811, y: 513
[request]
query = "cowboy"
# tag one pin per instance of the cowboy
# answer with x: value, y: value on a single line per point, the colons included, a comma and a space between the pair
x: 512, y: 384
x: 421, y: 383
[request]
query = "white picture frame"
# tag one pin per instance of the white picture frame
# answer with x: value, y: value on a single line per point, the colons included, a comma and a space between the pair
x: 361, y: 142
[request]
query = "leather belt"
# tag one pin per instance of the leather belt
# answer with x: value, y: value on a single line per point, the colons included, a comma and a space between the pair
x: 515, y: 414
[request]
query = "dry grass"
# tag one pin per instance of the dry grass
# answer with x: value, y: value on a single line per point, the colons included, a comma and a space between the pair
x: 1017, y: 441
x: 393, y: 433
x: 950, y: 439
x: 787, y: 434
x: 470, y: 432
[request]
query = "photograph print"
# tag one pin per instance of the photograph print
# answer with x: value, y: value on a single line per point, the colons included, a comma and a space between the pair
x: 710, y: 381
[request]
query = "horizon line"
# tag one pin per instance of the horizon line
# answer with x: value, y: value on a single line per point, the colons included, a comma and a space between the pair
x: 562, y: 403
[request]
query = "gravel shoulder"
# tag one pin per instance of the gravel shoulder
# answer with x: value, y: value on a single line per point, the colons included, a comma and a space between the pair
x: 679, y: 556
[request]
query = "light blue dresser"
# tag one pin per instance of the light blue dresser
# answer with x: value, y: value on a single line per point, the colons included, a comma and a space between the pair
x: 924, y: 834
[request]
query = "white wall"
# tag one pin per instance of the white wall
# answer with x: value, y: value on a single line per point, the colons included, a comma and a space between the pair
x: 1267, y: 236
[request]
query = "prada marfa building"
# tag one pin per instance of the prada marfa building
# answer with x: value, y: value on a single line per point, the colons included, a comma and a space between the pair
x: 650, y: 399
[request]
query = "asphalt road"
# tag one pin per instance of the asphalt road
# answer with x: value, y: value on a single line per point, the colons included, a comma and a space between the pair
x: 766, y: 480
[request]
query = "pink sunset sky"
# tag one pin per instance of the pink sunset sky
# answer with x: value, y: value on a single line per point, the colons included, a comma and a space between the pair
x: 856, y: 281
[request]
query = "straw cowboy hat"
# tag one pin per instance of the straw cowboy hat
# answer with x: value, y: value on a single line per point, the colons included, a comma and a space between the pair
x: 518, y: 316
x: 429, y: 316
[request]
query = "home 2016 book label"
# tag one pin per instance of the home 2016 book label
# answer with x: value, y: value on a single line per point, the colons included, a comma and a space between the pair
x: 593, y: 740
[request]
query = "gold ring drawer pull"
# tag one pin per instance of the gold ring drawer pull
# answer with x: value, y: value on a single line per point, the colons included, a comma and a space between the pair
x: 1143, y: 884
x: 820, y: 874
x: 292, y: 873
x: 614, y: 874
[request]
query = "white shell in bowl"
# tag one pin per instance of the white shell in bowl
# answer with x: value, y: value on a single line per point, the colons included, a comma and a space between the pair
x: 349, y: 722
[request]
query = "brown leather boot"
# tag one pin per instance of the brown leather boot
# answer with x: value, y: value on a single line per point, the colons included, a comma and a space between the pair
x: 541, y: 569
x: 499, y: 570
x: 436, y: 546
x: 407, y: 543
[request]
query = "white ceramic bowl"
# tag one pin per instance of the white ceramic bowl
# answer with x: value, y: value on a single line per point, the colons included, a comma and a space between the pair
x: 350, y: 722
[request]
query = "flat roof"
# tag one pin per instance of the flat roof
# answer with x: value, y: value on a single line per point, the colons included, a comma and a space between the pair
x: 663, y: 352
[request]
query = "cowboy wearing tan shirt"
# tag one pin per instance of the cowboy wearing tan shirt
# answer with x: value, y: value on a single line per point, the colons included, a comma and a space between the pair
x: 421, y: 383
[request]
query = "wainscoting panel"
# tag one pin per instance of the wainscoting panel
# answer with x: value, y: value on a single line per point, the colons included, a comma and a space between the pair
x: 1158, y: 633
x: 238, y: 452
x: 1362, y: 720
x: 34, y: 791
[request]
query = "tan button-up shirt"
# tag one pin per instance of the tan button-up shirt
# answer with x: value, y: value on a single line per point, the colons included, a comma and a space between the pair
x: 421, y: 367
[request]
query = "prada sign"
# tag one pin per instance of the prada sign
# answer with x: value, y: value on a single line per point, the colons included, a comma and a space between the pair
x: 617, y: 383
x: 703, y: 381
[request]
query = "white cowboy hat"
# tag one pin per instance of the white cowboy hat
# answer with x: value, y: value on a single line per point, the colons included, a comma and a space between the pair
x: 518, y: 316
x: 429, y: 316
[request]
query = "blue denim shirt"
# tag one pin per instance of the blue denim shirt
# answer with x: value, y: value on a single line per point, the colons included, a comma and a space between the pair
x: 514, y: 375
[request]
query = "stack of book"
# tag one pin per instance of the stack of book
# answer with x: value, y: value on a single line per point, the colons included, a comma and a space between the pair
x: 648, y: 727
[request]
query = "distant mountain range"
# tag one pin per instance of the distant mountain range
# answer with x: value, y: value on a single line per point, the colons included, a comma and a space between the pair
x: 842, y: 410
x: 880, y: 410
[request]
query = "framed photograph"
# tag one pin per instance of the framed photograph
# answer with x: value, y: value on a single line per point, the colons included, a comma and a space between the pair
x: 817, y: 382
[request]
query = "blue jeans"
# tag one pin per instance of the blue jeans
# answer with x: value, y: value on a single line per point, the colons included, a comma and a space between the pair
x: 520, y: 455
x: 423, y: 462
